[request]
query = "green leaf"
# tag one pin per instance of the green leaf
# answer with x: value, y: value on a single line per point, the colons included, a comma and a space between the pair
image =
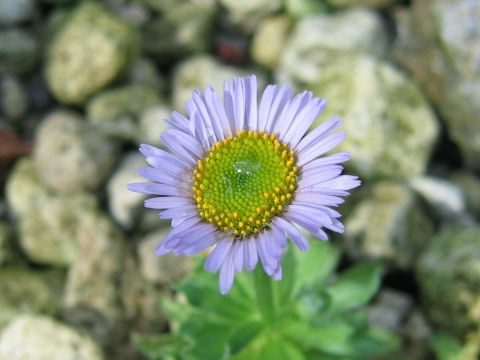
x: 355, y: 287
x: 315, y: 266
x: 373, y: 343
x: 243, y: 335
x: 281, y: 350
x: 161, y: 346
x: 446, y: 348
x: 333, y: 339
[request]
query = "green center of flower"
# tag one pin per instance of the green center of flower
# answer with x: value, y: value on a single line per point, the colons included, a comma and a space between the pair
x: 244, y: 181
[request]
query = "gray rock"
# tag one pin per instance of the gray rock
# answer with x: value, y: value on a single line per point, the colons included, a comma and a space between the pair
x: 248, y: 13
x: 28, y: 292
x: 71, y: 154
x: 5, y: 242
x: 18, y: 51
x: 470, y: 185
x: 123, y: 204
x: 372, y: 3
x: 89, y: 52
x: 198, y: 72
x: 269, y: 40
x: 13, y: 98
x: 144, y: 72
x: 186, y: 27
x: 47, y: 222
x: 15, y: 11
x: 161, y: 269
x: 446, y: 200
x: 31, y: 337
x: 320, y: 40
x: 439, y: 43
x: 449, y: 277
x: 116, y: 112
x: 417, y: 334
x: 391, y: 128
x: 389, y: 310
x: 387, y: 225
x: 153, y: 124
x: 92, y: 293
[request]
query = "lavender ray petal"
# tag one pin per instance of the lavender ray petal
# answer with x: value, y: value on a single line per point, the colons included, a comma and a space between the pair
x: 288, y: 117
x: 265, y: 103
x: 251, y: 102
x: 181, y: 122
x: 217, y: 108
x: 326, y: 144
x: 334, y: 159
x: 237, y: 256
x: 318, y: 133
x: 315, y: 176
x: 199, y: 246
x: 250, y: 254
x: 156, y: 175
x: 167, y: 202
x: 279, y: 105
x: 166, y: 247
x: 342, y: 182
x: 306, y: 224
x: 179, y: 211
x: 279, y: 236
x: 227, y: 275
x: 293, y: 233
x: 277, y: 273
x: 217, y: 256
x: 154, y: 189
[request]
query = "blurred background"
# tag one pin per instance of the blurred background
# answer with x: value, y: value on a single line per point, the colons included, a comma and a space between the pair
x: 82, y: 83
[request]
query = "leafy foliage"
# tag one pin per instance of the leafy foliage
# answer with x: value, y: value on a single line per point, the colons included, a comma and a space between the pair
x: 304, y: 316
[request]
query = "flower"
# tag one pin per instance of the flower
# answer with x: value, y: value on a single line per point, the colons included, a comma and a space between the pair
x: 242, y: 176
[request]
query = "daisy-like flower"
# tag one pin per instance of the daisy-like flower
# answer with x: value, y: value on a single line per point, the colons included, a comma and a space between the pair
x: 242, y: 176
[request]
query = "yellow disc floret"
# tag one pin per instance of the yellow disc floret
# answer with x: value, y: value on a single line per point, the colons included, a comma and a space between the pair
x: 244, y: 181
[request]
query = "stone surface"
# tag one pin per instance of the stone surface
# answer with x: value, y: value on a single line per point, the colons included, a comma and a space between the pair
x: 161, y: 269
x: 197, y: 72
x: 47, y: 222
x: 269, y: 40
x: 445, y: 199
x: 391, y: 128
x: 15, y: 11
x: 470, y: 185
x: 389, y: 310
x: 387, y: 225
x: 88, y: 52
x: 185, y: 27
x: 449, y: 277
x: 145, y: 72
x: 439, y: 43
x: 28, y: 292
x: 13, y: 98
x: 248, y: 13
x: 373, y: 3
x: 31, y: 337
x: 116, y: 112
x: 18, y: 51
x: 5, y: 242
x: 152, y: 124
x: 71, y: 154
x: 317, y: 40
x: 125, y: 205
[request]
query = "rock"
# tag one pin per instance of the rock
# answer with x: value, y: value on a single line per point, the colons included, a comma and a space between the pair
x: 387, y: 225
x: 13, y: 98
x: 89, y: 52
x: 269, y: 40
x: 417, y: 335
x: 321, y: 40
x: 161, y: 269
x: 446, y: 200
x: 470, y: 185
x: 28, y: 292
x: 124, y: 205
x: 144, y: 72
x: 92, y: 298
x: 389, y: 310
x: 303, y: 8
x: 31, y: 337
x: 47, y: 222
x: 116, y: 111
x: 391, y: 128
x: 248, y: 13
x: 153, y: 124
x: 196, y: 73
x: 15, y: 11
x: 18, y: 51
x: 439, y: 43
x: 71, y: 154
x: 5, y: 242
x: 372, y: 3
x: 448, y: 273
x: 186, y: 27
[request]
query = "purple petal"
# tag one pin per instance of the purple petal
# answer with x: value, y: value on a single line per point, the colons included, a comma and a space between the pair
x: 293, y: 233
x: 342, y: 182
x: 166, y: 246
x: 250, y: 254
x: 156, y: 175
x: 325, y: 145
x: 217, y: 256
x: 277, y: 273
x: 318, y: 175
x: 251, y: 102
x: 154, y: 189
x: 167, y: 202
x: 334, y: 159
x: 306, y: 223
x: 317, y: 134
x: 180, y: 211
x: 237, y: 256
x: 217, y: 114
x: 227, y: 274
x: 200, y: 245
x: 288, y: 117
x: 279, y: 236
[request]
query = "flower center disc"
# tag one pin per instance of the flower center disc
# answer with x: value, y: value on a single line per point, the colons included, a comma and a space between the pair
x: 244, y: 181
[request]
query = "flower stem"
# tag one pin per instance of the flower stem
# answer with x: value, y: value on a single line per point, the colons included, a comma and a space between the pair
x: 264, y: 294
